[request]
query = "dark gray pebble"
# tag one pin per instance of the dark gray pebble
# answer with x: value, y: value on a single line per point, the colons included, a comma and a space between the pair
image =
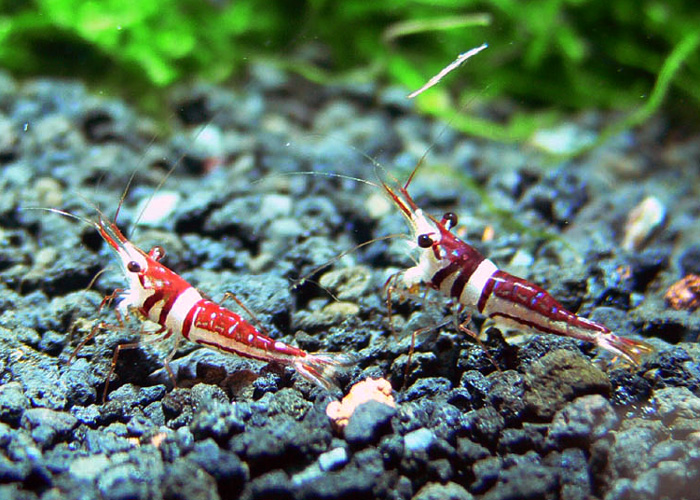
x: 426, y: 387
x: 274, y: 484
x: 529, y: 437
x: 126, y: 481
x: 13, y: 402
x: 575, y: 482
x: 368, y: 422
x: 219, y: 421
x: 525, y: 480
x: 225, y: 467
x: 689, y: 261
x: 485, y: 426
x: 348, y: 483
x: 185, y: 480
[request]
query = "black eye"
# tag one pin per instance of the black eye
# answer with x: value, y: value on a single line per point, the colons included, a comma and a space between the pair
x: 451, y: 219
x: 425, y: 241
x: 133, y: 267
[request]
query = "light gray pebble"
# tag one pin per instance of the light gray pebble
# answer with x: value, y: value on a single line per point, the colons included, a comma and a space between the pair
x: 333, y: 459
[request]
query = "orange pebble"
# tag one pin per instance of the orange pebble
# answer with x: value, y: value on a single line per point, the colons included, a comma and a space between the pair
x: 370, y: 389
x: 684, y: 294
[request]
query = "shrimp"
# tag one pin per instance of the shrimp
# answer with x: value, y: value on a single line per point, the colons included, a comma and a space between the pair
x: 458, y: 270
x: 158, y: 294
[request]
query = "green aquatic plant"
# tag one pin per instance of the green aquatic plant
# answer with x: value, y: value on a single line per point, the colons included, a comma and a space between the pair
x: 158, y: 42
x: 543, y: 54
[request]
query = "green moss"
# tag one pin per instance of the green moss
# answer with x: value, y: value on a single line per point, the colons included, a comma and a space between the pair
x: 544, y: 54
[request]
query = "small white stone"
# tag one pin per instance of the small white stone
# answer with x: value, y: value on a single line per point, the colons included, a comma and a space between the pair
x: 564, y: 139
x: 378, y: 206
x: 642, y: 221
x: 276, y: 205
x: 419, y: 440
x: 154, y: 210
x: 333, y: 459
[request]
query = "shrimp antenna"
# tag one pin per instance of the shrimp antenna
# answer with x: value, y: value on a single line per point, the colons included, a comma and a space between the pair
x: 300, y: 281
x: 64, y: 213
x: 313, y: 174
x: 165, y: 177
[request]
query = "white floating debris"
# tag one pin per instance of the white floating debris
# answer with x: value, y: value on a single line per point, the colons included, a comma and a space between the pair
x: 154, y: 210
x: 643, y: 220
x: 450, y: 67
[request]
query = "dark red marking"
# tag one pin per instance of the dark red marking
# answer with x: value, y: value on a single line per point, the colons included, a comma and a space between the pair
x: 187, y: 323
x: 168, y: 305
x: 488, y: 289
x: 464, y: 259
x: 212, y: 317
x: 459, y: 284
x: 521, y: 292
x: 444, y: 273
x: 151, y: 301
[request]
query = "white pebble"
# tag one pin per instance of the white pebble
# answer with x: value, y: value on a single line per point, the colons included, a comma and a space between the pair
x: 154, y: 210
x: 642, y: 221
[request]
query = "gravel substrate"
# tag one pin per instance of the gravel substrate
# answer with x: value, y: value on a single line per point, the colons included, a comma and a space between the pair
x: 555, y: 419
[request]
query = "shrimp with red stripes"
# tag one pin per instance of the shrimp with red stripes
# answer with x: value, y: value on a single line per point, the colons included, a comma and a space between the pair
x: 162, y: 296
x: 459, y: 271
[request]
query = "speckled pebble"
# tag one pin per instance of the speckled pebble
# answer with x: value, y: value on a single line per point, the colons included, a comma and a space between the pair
x: 676, y: 402
x: 89, y: 468
x: 582, y: 421
x: 437, y: 491
x: 349, y: 284
x: 184, y: 480
x: 48, y: 426
x: 13, y: 402
x: 559, y: 377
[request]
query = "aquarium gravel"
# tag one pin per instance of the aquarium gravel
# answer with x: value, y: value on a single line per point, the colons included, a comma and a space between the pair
x: 530, y: 417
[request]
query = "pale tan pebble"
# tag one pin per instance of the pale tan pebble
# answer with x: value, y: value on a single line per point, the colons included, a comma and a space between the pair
x: 367, y: 390
x: 642, y: 221
x: 259, y: 263
x: 43, y: 258
x: 349, y: 283
x: 48, y: 192
x: 378, y: 206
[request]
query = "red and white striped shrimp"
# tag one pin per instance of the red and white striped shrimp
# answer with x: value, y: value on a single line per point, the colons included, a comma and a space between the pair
x: 162, y: 296
x: 459, y: 271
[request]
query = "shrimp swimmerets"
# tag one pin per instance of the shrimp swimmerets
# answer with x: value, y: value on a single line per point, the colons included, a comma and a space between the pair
x: 162, y: 296
x: 459, y: 271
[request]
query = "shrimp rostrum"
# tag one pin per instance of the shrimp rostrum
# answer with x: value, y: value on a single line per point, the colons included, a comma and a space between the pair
x: 156, y: 293
x: 458, y: 270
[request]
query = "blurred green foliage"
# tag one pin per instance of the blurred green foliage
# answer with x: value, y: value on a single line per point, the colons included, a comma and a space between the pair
x: 544, y: 54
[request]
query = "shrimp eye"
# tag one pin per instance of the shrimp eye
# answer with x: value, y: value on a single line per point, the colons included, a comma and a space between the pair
x: 133, y: 267
x: 451, y: 219
x: 425, y: 241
